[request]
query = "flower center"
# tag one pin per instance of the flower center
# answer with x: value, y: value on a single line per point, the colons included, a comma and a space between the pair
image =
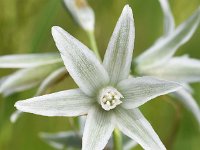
x: 110, y: 98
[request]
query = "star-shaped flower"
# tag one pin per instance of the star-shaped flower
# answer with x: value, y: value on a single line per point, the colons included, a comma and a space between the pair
x: 106, y: 94
x: 158, y: 60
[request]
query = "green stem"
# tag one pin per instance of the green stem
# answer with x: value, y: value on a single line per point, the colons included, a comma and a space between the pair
x: 93, y: 43
x: 117, y: 139
x: 176, y: 123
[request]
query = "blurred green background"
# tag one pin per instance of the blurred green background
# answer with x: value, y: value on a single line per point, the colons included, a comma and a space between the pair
x: 25, y: 28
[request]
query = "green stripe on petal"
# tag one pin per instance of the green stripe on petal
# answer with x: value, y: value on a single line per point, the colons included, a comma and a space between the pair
x: 28, y: 60
x: 137, y: 91
x: 81, y: 63
x: 133, y: 124
x: 64, y: 103
x: 118, y: 56
x: 98, y: 129
x: 165, y: 48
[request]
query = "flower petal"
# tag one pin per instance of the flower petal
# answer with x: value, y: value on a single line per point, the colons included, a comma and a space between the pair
x: 64, y: 103
x: 128, y: 143
x: 82, y: 120
x: 98, y: 129
x: 15, y: 116
x: 180, y: 69
x: 26, y: 78
x: 81, y: 63
x: 51, y: 80
x: 188, y: 88
x: 164, y: 49
x: 61, y: 140
x: 186, y: 99
x: 133, y: 124
x: 82, y: 13
x: 169, y: 24
x: 117, y: 59
x: 137, y: 91
x: 28, y: 60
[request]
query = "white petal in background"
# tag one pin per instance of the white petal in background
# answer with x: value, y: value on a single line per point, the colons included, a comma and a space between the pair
x: 169, y: 24
x: 189, y: 102
x: 118, y: 56
x: 55, y: 77
x: 82, y: 120
x: 137, y: 91
x: 81, y: 63
x: 163, y: 50
x: 128, y: 143
x: 64, y: 103
x: 98, y: 129
x: 188, y: 88
x: 73, y: 139
x: 26, y: 78
x: 180, y: 69
x: 2, y: 79
x: 15, y: 116
x: 28, y: 60
x: 62, y: 140
x: 134, y: 125
x: 82, y: 13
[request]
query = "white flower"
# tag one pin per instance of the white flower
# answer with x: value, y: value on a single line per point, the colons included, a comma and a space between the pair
x: 82, y: 13
x: 158, y: 61
x: 106, y: 94
x: 44, y: 69
x: 33, y: 70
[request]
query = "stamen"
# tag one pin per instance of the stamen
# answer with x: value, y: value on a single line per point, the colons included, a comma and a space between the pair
x: 110, y: 98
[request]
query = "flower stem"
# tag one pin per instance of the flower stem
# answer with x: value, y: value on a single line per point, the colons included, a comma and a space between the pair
x: 117, y: 139
x: 176, y: 123
x: 93, y: 43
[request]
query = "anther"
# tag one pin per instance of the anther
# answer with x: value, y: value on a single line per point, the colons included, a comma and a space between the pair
x: 110, y: 98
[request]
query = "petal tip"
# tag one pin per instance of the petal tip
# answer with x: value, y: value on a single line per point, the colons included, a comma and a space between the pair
x: 127, y: 10
x: 54, y: 30
x: 18, y: 105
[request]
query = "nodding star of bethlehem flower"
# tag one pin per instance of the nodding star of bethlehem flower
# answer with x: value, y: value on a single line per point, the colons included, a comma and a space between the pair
x: 158, y: 60
x: 106, y: 94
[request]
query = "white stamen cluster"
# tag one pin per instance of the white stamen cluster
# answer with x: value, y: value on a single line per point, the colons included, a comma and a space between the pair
x: 110, y: 98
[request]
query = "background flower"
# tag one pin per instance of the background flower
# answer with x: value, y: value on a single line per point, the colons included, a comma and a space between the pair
x: 158, y: 60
